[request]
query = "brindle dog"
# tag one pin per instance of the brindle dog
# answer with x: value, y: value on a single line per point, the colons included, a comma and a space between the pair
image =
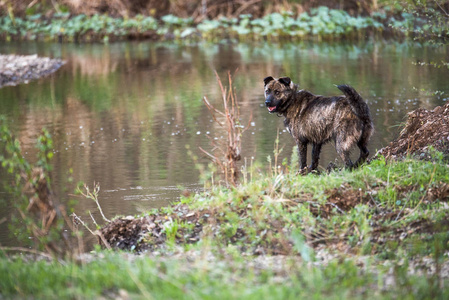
x: 317, y: 119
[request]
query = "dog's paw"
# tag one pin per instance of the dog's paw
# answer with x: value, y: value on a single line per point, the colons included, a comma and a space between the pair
x: 331, y: 167
x: 308, y: 170
x: 304, y: 171
x: 314, y: 172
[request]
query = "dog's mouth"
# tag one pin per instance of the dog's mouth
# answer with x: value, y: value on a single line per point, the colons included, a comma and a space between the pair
x: 271, y: 109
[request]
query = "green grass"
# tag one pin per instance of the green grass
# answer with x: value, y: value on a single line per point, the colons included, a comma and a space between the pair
x: 226, y: 277
x: 276, y: 236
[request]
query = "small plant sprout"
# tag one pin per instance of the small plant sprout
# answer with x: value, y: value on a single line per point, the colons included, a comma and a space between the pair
x: 93, y: 195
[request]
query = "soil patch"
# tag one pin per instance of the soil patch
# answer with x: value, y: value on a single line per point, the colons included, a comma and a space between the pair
x: 15, y: 69
x: 424, y: 128
x: 342, y: 200
x: 151, y: 232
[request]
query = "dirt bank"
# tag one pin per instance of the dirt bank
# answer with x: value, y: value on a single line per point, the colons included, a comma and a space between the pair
x: 424, y: 129
x: 15, y: 69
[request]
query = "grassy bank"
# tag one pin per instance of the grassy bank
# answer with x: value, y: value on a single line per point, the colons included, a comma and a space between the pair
x: 381, y: 231
x: 371, y: 211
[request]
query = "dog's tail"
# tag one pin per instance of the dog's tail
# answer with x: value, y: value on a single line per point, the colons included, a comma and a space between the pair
x: 358, y: 105
x: 360, y: 109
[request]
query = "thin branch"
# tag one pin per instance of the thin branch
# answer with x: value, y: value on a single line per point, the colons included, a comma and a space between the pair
x: 211, y: 109
x: 93, y: 219
x: 208, y: 154
x: 249, y: 123
x: 26, y: 250
x: 438, y: 3
x: 103, y: 239
x: 93, y: 196
x: 78, y: 219
x: 245, y: 6
x: 338, y: 208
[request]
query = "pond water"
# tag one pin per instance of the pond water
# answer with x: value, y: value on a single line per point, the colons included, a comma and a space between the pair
x: 122, y: 114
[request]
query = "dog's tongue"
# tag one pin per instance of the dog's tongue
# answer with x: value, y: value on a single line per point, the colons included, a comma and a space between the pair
x: 271, y: 108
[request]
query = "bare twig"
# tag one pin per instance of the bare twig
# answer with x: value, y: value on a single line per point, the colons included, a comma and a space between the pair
x: 93, y: 219
x: 208, y: 154
x: 78, y: 219
x: 244, y: 6
x: 93, y: 196
x: 212, y: 107
x: 44, y: 254
x: 338, y: 208
x: 103, y: 239
x: 444, y: 11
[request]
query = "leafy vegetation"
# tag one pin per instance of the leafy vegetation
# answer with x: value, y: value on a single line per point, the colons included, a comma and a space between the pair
x: 80, y: 27
x: 260, y: 20
x: 321, y: 22
x: 425, y: 20
x: 38, y: 220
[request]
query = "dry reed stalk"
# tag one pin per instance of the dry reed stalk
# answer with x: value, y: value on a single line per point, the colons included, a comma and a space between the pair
x: 229, y: 152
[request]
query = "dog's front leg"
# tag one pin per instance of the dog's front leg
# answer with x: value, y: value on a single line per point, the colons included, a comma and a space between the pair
x: 302, y: 149
x: 316, y: 150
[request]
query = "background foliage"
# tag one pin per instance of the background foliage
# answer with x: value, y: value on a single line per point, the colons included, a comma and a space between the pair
x: 104, y: 20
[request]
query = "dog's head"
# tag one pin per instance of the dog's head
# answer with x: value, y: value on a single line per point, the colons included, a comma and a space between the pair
x: 278, y: 93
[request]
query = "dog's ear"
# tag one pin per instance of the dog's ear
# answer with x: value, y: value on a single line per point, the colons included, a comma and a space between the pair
x: 266, y: 80
x: 285, y: 81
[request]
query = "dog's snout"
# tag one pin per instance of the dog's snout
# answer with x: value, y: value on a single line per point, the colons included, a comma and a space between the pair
x: 269, y: 100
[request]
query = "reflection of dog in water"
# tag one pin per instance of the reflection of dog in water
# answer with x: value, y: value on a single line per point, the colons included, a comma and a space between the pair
x: 317, y: 120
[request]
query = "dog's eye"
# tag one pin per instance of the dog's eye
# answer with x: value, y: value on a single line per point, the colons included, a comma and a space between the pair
x: 277, y: 93
x: 268, y: 91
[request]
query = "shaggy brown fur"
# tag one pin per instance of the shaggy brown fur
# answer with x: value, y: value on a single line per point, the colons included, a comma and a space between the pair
x: 317, y: 120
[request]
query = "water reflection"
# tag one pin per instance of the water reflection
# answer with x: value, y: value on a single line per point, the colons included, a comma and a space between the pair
x: 122, y: 114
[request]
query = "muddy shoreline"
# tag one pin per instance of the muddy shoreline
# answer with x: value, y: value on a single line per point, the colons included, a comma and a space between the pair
x: 17, y: 69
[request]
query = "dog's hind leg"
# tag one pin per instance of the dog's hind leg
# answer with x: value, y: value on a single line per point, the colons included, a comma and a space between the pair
x: 343, y: 146
x: 345, y: 157
x: 364, y: 152
x: 363, y: 156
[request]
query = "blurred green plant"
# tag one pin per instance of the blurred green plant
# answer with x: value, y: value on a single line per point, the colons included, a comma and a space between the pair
x: 320, y: 22
x: 423, y: 19
x: 39, y: 220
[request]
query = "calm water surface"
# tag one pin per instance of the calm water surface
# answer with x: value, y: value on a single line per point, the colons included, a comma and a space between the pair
x: 122, y: 114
